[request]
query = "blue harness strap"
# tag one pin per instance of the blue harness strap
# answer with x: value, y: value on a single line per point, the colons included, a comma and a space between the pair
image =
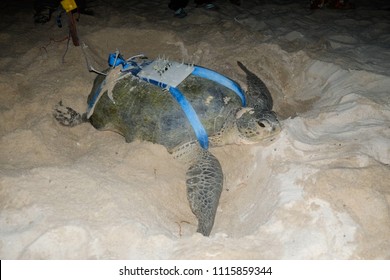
x: 115, y: 59
x: 192, y: 117
x: 221, y: 79
x: 95, y: 98
x: 188, y: 110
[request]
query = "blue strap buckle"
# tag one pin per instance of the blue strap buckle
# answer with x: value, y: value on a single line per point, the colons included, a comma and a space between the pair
x: 116, y: 59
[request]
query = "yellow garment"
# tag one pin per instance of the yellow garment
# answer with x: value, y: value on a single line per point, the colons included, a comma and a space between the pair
x: 68, y: 5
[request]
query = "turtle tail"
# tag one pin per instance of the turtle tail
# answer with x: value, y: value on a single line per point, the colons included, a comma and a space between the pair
x: 68, y: 116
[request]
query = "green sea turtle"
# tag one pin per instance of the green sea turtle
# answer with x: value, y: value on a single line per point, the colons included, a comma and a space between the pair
x: 130, y: 101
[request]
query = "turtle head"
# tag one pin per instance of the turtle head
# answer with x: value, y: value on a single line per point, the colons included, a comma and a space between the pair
x: 254, y: 126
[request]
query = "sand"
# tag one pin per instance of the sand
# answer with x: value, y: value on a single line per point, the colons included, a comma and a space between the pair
x: 320, y: 190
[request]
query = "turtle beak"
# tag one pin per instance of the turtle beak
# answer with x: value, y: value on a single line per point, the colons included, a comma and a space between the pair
x: 271, y: 118
x: 276, y: 127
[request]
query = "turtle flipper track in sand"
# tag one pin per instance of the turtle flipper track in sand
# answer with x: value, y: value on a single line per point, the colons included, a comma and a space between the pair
x: 68, y: 116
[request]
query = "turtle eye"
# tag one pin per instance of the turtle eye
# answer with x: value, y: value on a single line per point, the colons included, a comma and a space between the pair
x: 261, y: 124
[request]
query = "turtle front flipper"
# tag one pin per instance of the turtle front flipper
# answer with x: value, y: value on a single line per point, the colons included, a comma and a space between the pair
x: 204, y: 183
x: 68, y: 116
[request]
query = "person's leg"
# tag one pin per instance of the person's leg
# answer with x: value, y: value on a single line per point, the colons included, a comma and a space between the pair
x: 177, y: 4
x: 39, y: 4
x: 44, y: 9
x: 82, y: 7
x: 235, y: 2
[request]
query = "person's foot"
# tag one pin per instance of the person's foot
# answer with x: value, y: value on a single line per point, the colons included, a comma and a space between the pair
x: 180, y: 13
x: 208, y: 6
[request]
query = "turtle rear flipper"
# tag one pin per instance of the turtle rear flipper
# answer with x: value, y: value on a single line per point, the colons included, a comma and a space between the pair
x: 204, y: 183
x: 204, y: 187
x: 68, y: 116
